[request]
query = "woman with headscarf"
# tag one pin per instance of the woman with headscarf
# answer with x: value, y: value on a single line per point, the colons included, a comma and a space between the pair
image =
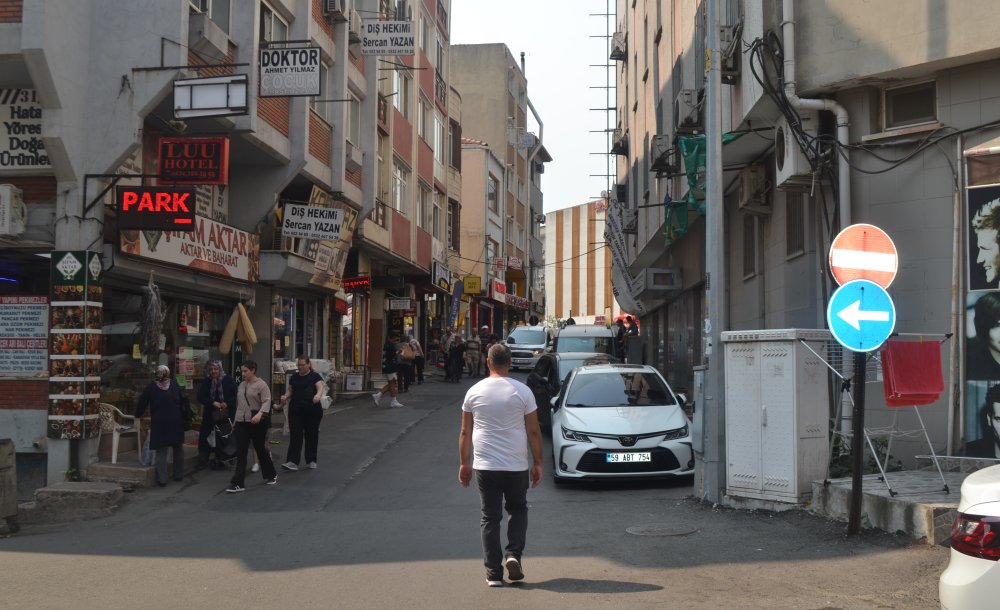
x: 163, y: 399
x: 217, y: 395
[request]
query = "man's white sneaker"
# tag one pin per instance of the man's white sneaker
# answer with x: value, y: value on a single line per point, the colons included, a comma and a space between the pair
x: 395, y: 405
x: 514, y: 571
x: 312, y: 465
x: 290, y: 466
x: 255, y: 468
x: 377, y: 398
x: 494, y: 583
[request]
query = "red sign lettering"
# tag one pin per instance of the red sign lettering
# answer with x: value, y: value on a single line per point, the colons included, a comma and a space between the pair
x: 155, y: 208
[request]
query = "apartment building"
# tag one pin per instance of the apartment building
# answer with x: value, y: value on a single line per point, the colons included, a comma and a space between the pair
x: 495, y: 101
x: 157, y: 163
x: 578, y: 268
x: 836, y: 113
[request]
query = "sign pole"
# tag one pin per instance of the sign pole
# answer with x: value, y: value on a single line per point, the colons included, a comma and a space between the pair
x: 857, y: 443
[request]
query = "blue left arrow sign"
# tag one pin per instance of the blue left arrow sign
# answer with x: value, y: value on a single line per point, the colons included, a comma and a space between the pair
x: 861, y: 315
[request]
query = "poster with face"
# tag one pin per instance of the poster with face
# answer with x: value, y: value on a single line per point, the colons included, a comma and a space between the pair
x: 984, y: 231
x: 982, y: 371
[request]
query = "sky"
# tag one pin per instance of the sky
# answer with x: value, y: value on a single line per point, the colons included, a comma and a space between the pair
x: 556, y: 37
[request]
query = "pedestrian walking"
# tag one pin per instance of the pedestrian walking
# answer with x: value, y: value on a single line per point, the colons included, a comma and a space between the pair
x: 164, y: 400
x: 456, y: 358
x: 305, y: 410
x: 499, y: 424
x: 474, y: 355
x: 405, y: 355
x: 253, y: 418
x: 418, y: 359
x: 217, y: 395
x: 389, y: 358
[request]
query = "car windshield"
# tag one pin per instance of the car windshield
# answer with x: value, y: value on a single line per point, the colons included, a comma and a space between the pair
x: 585, y: 344
x: 618, y: 389
x: 568, y: 364
x: 527, y: 336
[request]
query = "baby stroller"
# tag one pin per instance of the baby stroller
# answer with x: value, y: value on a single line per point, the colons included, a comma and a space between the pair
x: 222, y: 440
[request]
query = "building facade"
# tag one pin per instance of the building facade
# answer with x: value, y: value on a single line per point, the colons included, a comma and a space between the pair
x: 834, y: 114
x: 264, y: 111
x: 496, y: 106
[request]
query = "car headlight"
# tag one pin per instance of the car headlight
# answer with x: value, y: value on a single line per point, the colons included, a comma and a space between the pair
x: 536, y: 352
x: 572, y: 435
x: 676, y: 433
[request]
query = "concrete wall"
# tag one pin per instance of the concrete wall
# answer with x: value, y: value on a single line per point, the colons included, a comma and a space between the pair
x: 852, y: 41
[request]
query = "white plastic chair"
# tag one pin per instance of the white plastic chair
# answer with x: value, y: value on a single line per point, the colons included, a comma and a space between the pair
x: 113, y: 421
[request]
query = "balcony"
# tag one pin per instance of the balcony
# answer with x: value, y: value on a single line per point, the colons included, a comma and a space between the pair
x: 377, y: 215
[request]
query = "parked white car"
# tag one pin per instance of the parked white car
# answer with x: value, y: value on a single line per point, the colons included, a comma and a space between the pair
x: 972, y: 578
x: 526, y: 344
x: 619, y: 421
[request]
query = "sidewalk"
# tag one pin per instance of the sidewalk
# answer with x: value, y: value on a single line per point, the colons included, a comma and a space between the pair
x: 353, y: 434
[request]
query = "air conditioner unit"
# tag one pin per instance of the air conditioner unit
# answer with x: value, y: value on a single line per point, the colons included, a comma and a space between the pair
x: 619, y: 47
x: 355, y: 157
x: 13, y: 213
x: 754, y: 189
x: 354, y: 30
x: 664, y: 154
x: 792, y: 170
x: 687, y: 111
x: 336, y: 10
x: 619, y: 142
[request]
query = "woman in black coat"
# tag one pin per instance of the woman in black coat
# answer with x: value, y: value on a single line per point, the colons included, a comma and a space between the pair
x: 217, y: 393
x: 163, y: 399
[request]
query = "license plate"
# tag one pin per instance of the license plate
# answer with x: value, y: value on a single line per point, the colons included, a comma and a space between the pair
x: 621, y: 458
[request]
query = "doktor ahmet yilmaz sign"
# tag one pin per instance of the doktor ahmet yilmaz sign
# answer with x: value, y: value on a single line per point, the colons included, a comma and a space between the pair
x: 289, y: 72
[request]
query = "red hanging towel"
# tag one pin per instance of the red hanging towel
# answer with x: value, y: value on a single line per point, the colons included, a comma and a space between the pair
x: 912, y: 373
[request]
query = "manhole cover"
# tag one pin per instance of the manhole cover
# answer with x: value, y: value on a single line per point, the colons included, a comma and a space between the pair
x: 659, y: 530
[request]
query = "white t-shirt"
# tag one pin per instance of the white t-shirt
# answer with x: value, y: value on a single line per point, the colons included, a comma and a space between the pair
x: 499, y: 438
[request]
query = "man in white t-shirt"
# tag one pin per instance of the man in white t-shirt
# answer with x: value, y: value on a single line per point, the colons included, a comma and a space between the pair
x: 499, y: 424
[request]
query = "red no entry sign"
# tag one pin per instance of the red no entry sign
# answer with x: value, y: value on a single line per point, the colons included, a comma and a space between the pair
x: 863, y: 252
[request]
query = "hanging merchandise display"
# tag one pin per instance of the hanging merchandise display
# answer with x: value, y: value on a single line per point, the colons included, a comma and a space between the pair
x: 239, y: 328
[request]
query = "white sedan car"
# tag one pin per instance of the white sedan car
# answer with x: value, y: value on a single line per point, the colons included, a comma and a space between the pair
x: 619, y: 421
x: 972, y: 578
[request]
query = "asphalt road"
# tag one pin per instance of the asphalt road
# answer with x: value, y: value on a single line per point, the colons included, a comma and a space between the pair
x: 383, y: 523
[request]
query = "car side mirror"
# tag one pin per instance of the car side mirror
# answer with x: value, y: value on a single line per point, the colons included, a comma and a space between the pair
x: 555, y: 403
x: 681, y: 396
x: 511, y: 340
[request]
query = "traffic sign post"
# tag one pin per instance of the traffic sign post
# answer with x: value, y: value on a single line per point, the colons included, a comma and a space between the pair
x: 861, y: 316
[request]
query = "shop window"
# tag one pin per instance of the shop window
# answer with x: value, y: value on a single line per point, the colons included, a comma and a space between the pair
x: 188, y: 339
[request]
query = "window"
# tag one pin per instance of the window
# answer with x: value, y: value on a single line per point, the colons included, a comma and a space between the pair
x: 423, y: 32
x: 436, y: 215
x: 319, y: 104
x: 455, y: 133
x: 401, y: 88
x: 353, y: 120
x: 795, y: 230
x: 272, y: 27
x: 424, y: 207
x: 492, y: 188
x: 217, y: 11
x: 400, y: 178
x: 909, y: 105
x: 425, y: 119
x: 440, y: 57
x: 510, y: 231
x: 749, y: 246
x: 440, y: 140
x: 453, y: 219
x: 491, y: 252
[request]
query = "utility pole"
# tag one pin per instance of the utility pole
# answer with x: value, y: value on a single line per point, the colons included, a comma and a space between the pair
x: 711, y: 467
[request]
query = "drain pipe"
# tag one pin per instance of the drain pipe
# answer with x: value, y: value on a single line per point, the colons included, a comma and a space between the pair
x: 843, y: 120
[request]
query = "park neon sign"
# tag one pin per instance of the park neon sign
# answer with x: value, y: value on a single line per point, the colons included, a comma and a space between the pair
x: 155, y: 208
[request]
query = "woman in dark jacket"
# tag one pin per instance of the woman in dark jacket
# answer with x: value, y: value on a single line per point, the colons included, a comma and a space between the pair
x: 163, y: 399
x: 217, y: 393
